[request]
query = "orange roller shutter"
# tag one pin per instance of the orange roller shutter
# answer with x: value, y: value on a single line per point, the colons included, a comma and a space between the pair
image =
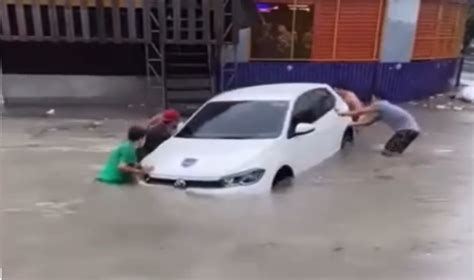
x: 324, y: 29
x: 425, y: 41
x: 357, y: 33
x: 347, y: 29
x: 440, y: 29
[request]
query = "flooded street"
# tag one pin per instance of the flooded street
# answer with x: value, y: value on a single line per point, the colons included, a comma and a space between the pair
x: 356, y: 216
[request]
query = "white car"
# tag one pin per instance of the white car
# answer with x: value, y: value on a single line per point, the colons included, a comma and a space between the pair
x: 248, y: 140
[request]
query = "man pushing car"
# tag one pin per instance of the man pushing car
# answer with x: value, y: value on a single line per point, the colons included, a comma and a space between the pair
x: 398, y: 119
x: 159, y: 129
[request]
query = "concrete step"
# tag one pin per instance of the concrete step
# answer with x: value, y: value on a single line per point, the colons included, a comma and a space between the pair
x: 186, y: 109
x: 197, y: 94
x: 176, y: 83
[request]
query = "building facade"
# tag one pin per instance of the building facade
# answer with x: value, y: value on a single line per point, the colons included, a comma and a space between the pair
x: 184, y: 51
x: 390, y: 48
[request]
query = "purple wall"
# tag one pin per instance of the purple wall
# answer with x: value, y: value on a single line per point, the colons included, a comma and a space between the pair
x: 415, y: 80
x: 392, y: 81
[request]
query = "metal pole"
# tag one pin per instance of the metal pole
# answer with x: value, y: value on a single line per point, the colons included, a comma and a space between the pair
x: 236, y: 65
x: 2, y: 99
x: 459, y: 71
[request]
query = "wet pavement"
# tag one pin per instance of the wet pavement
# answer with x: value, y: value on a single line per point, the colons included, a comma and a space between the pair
x: 356, y: 216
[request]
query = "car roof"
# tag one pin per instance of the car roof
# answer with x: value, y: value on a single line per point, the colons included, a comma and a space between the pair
x: 281, y: 92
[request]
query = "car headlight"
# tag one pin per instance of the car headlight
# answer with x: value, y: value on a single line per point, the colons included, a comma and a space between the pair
x: 245, y: 178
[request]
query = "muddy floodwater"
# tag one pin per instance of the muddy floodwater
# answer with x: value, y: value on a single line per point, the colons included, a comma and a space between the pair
x: 356, y: 216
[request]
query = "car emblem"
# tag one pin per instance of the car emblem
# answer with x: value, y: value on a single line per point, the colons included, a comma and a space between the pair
x: 181, y: 184
x: 188, y: 162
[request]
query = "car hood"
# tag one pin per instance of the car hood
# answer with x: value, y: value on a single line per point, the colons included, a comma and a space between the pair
x: 209, y: 159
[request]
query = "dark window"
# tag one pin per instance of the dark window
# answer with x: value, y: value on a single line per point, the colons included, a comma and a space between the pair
x: 61, y: 21
x: 302, y: 112
x: 76, y: 17
x: 92, y: 13
x: 139, y: 22
x: 322, y: 102
x: 30, y: 29
x: 238, y: 120
x: 123, y: 14
x: 13, y: 20
x: 45, y: 20
x: 108, y: 23
x: 310, y: 107
x: 287, y: 31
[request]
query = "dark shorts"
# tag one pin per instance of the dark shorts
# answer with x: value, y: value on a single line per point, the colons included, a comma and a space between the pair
x: 401, y: 140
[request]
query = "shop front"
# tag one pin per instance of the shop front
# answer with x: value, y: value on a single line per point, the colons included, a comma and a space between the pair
x: 384, y: 47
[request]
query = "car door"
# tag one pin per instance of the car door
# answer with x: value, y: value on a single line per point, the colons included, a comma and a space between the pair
x: 298, y: 146
x: 327, y: 125
x: 305, y: 151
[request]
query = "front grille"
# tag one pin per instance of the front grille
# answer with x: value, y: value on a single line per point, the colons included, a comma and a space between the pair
x: 189, y: 183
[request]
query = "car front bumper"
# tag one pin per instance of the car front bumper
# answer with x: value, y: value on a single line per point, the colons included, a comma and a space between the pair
x: 212, y: 187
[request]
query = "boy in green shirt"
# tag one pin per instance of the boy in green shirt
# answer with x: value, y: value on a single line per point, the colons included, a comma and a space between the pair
x: 122, y: 166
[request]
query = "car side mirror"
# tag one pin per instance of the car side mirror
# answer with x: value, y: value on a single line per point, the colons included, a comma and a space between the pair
x: 304, y: 128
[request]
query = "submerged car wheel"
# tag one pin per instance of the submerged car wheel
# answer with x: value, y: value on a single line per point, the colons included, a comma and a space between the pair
x: 348, y: 137
x: 283, y: 178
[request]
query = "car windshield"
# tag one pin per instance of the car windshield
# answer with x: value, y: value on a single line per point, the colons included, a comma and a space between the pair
x: 237, y: 120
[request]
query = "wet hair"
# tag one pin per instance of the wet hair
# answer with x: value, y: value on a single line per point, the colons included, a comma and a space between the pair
x: 135, y: 133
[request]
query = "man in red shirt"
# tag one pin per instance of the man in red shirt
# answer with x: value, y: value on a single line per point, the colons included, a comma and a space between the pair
x: 159, y: 129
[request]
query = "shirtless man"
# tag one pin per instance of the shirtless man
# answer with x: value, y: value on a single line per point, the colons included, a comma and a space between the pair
x: 351, y: 100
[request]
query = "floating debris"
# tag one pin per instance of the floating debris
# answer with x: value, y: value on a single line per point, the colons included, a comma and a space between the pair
x: 317, y: 179
x: 385, y: 177
x: 51, y: 209
x: 50, y: 112
x: 15, y: 210
x: 44, y: 203
x: 467, y: 94
x: 96, y: 123
x: 443, y: 150
x: 338, y: 249
x: 441, y: 107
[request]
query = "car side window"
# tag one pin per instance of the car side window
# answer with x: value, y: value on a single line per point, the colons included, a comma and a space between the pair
x: 302, y: 112
x: 322, y: 102
x: 311, y: 106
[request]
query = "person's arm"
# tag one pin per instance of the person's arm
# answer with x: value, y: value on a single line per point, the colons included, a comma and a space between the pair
x: 154, y: 120
x: 366, y: 121
x: 360, y: 112
x: 132, y: 170
x: 129, y: 163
